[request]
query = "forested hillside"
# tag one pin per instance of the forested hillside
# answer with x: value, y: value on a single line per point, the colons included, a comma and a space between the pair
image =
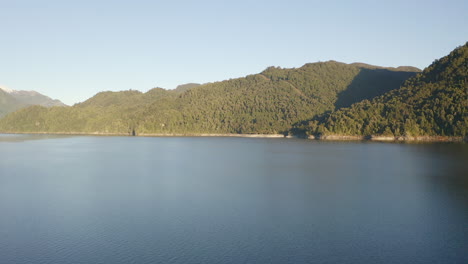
x: 433, y: 103
x: 268, y: 102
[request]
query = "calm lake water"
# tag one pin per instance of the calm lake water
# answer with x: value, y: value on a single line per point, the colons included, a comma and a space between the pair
x: 230, y: 200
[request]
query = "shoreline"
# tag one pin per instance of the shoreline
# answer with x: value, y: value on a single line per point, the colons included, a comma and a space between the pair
x: 391, y: 138
x: 311, y: 137
x: 148, y: 134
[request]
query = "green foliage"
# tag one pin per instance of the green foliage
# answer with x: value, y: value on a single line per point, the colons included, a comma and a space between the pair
x: 433, y: 103
x: 268, y: 102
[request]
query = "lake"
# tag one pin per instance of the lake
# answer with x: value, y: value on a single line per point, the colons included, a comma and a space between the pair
x: 230, y: 200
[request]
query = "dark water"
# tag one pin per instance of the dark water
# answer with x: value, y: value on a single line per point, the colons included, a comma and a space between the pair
x: 231, y: 200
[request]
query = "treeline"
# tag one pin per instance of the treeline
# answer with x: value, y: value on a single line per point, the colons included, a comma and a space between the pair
x: 269, y: 102
x: 433, y: 103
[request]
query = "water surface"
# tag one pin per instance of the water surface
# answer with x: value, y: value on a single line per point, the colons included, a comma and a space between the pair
x: 230, y: 200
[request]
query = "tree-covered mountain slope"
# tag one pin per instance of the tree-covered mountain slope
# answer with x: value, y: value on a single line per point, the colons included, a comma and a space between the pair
x: 268, y: 102
x: 433, y: 103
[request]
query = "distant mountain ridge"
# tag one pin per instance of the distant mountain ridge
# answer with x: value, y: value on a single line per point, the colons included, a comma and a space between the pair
x: 7, y: 103
x: 187, y: 86
x: 399, y: 68
x: 11, y: 100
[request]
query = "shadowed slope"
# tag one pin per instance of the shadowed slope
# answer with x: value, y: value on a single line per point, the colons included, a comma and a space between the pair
x: 433, y: 103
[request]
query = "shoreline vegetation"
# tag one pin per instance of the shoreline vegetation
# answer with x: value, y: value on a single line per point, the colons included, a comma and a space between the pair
x: 375, y: 138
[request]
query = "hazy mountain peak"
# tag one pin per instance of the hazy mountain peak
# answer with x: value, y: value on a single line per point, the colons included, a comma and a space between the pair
x: 6, y: 89
x: 11, y: 100
x: 32, y: 93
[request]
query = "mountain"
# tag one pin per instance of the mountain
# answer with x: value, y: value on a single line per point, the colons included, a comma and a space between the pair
x: 7, y: 103
x: 187, y: 86
x: 267, y: 102
x: 433, y: 103
x: 11, y: 100
x: 400, y: 68
x: 35, y: 98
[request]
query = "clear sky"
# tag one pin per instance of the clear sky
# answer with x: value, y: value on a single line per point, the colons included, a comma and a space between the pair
x: 71, y: 50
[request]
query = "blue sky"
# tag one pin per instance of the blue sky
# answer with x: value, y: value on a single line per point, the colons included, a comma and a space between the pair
x: 71, y: 50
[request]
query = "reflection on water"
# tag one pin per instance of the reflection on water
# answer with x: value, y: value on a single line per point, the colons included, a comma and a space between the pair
x: 25, y: 137
x: 231, y: 200
x: 446, y: 167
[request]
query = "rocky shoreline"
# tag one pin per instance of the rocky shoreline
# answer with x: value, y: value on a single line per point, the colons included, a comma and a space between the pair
x: 311, y: 137
x: 390, y: 138
x: 151, y: 134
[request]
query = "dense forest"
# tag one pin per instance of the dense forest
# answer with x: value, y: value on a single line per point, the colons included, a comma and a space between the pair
x: 433, y: 103
x: 267, y: 103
